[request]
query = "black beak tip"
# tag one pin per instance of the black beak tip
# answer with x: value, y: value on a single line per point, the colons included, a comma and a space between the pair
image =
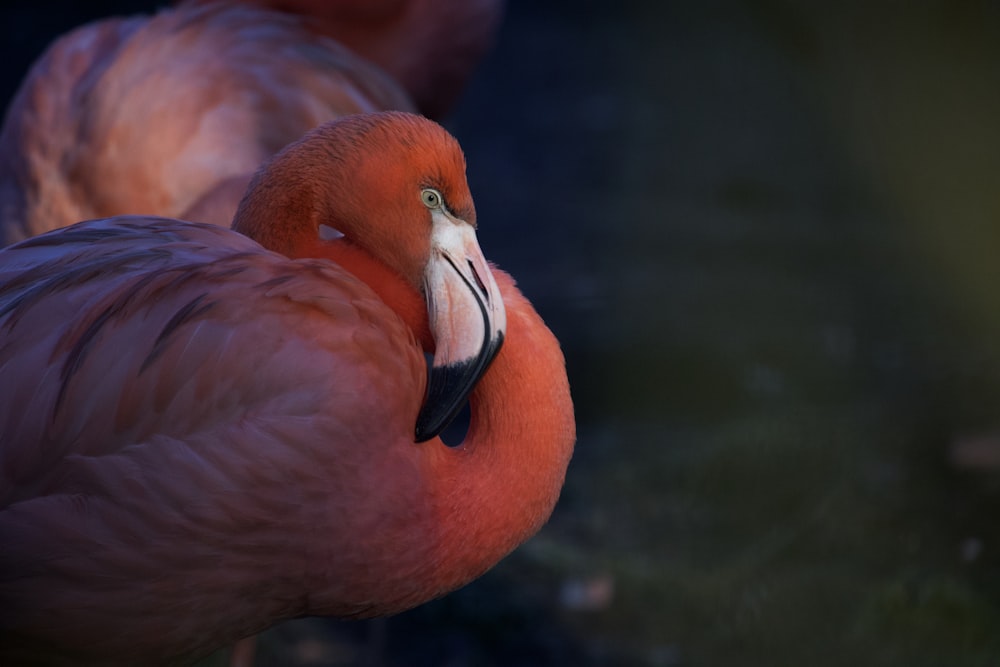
x: 448, y: 387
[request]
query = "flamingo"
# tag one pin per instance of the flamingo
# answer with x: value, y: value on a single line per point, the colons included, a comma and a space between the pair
x: 171, y: 114
x: 205, y: 431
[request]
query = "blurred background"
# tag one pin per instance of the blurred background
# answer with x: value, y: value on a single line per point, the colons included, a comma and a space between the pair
x: 767, y: 233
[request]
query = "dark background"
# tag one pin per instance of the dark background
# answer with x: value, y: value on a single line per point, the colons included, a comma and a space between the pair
x: 767, y: 234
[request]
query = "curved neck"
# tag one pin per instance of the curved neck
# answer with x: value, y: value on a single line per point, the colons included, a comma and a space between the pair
x: 277, y: 192
x: 518, y: 446
x: 520, y: 437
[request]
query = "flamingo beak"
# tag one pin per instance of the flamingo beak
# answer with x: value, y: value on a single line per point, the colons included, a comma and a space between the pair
x: 467, y: 319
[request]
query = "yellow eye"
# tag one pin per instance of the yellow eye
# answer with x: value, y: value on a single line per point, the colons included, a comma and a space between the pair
x: 431, y: 198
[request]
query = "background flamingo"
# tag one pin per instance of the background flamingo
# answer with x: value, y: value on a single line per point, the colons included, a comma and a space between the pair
x: 207, y: 437
x: 170, y: 114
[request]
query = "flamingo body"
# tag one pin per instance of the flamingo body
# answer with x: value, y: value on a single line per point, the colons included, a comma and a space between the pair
x: 201, y: 437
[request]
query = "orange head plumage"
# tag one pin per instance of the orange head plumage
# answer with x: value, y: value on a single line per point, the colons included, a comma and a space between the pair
x: 407, y: 204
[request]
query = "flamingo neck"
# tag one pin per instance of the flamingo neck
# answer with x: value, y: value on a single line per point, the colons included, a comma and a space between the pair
x: 500, y: 485
x: 489, y: 494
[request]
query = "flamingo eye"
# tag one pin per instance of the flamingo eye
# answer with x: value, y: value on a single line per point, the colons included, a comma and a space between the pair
x: 431, y: 198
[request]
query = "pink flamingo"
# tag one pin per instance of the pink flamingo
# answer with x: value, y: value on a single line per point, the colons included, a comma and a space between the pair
x: 204, y: 431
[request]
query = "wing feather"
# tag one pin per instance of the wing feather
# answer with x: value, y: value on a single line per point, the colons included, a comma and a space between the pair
x: 170, y: 329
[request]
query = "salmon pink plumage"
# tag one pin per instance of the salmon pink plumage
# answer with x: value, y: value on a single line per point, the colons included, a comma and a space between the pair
x: 205, y: 431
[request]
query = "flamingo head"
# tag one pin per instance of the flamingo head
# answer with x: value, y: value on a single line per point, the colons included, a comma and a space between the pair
x: 393, y: 184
